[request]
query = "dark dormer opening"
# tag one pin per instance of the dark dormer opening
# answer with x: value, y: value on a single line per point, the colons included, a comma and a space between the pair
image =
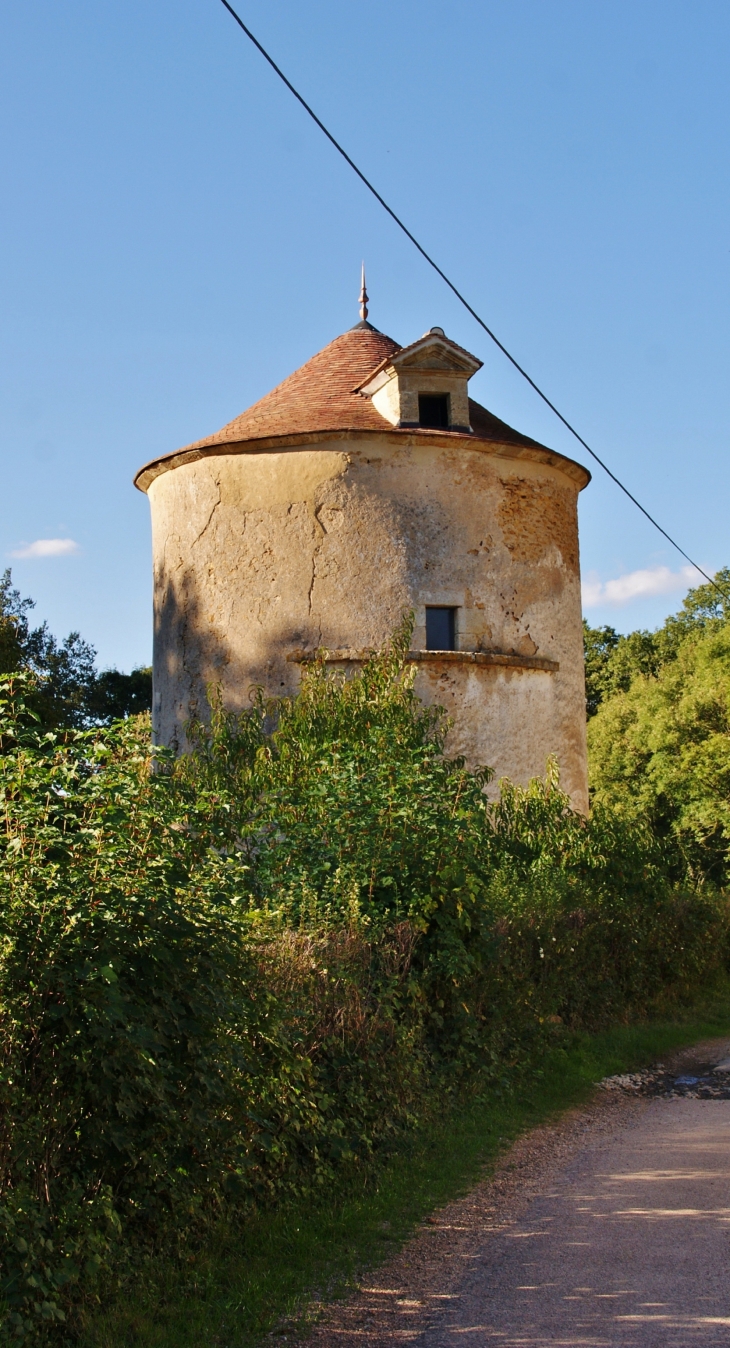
x: 440, y: 629
x: 433, y: 411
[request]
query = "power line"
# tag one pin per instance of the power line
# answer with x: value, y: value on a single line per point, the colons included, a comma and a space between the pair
x: 459, y: 295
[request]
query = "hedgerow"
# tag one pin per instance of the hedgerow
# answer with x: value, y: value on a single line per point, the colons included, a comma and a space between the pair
x: 225, y: 978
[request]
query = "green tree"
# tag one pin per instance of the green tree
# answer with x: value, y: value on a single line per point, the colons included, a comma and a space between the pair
x: 64, y: 671
x: 662, y: 746
x: 116, y: 696
x: 67, y: 690
x: 599, y: 644
x: 705, y: 608
x: 613, y: 660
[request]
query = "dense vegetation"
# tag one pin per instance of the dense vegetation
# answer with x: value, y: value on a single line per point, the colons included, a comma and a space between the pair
x: 226, y: 979
x: 659, y: 736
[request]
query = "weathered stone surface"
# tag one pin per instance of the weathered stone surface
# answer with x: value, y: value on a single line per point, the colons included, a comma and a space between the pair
x: 327, y: 542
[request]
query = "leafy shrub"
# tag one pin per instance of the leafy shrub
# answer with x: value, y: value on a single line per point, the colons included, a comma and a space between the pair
x: 166, y: 1047
x: 224, y: 978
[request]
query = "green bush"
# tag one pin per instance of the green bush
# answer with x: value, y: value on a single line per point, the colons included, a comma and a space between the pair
x: 222, y: 979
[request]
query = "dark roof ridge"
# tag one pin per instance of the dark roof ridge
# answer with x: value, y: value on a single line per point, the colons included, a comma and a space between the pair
x: 357, y: 327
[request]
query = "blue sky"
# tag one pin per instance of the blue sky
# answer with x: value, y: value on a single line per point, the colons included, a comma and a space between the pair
x: 176, y: 237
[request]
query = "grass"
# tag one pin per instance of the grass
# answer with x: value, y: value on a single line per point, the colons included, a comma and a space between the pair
x: 265, y: 1273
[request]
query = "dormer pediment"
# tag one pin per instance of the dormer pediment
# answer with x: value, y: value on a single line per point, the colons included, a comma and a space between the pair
x: 424, y: 384
x: 436, y: 351
x: 433, y: 358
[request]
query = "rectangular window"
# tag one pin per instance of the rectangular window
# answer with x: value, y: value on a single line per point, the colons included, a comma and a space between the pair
x: 440, y: 629
x: 433, y: 410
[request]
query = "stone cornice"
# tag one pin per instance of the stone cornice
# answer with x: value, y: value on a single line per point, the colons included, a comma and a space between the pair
x: 441, y: 438
x: 500, y: 658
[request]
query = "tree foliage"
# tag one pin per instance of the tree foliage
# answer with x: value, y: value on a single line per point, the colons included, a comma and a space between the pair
x: 67, y: 690
x: 661, y: 749
x: 614, y: 660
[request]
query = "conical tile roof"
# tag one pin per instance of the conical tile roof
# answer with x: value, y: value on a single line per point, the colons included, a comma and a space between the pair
x: 321, y: 396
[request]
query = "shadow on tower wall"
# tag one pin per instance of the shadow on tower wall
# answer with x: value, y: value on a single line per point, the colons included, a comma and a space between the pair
x: 192, y: 656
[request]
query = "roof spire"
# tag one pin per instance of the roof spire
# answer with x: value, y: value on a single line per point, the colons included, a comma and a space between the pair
x: 363, y: 297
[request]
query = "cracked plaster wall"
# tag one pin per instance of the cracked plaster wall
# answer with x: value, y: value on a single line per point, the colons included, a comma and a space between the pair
x: 260, y: 554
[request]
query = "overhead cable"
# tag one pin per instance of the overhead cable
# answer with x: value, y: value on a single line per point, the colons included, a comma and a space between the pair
x: 460, y: 297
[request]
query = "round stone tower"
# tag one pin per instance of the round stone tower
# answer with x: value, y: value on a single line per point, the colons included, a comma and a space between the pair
x: 369, y: 483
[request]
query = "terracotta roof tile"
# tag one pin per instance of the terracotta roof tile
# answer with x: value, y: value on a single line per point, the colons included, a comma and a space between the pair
x: 317, y: 397
x: 488, y: 427
x: 320, y: 396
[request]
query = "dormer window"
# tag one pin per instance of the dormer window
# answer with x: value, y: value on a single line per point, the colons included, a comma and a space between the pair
x: 433, y: 410
x: 424, y: 384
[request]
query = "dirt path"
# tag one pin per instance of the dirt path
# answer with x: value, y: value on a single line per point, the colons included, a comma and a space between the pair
x: 611, y: 1228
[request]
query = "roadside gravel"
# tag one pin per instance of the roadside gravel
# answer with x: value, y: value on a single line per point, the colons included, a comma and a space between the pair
x: 609, y: 1227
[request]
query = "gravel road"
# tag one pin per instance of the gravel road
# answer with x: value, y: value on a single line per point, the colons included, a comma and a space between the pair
x: 610, y: 1228
x: 628, y: 1245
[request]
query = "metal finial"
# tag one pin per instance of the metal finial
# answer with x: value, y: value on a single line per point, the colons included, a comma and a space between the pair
x: 363, y: 297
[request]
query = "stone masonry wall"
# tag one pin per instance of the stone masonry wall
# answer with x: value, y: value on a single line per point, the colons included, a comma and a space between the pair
x: 257, y: 555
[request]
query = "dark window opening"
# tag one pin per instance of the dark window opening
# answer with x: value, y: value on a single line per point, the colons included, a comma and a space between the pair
x: 433, y: 410
x: 440, y: 629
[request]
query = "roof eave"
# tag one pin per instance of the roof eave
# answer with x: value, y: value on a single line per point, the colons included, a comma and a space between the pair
x: 271, y: 444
